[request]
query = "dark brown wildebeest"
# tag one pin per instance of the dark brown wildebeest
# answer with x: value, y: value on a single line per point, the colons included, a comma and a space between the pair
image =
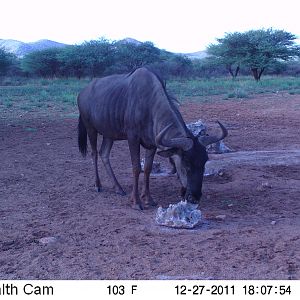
x: 136, y: 107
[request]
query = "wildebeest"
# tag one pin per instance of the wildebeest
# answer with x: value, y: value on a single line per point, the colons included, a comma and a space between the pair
x: 136, y: 107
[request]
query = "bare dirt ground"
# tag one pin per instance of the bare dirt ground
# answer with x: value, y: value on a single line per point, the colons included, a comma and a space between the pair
x: 53, y: 225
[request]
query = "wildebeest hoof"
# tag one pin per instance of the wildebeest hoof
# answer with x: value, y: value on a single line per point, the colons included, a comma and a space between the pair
x: 149, y: 202
x: 137, y: 206
x: 121, y: 192
x: 98, y: 189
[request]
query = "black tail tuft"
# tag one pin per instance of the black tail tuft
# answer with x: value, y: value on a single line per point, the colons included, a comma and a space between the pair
x: 82, y: 137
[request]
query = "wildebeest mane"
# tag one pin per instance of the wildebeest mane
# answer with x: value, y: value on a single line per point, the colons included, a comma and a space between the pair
x: 161, y: 80
x: 171, y: 99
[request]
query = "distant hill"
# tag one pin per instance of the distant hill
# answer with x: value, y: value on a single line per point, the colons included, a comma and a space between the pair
x: 20, y: 48
x: 129, y: 40
x: 196, y: 55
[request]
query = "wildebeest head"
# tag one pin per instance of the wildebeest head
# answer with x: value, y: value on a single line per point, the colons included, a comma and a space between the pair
x: 190, y: 156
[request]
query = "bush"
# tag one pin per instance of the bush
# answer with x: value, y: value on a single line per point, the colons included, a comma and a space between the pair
x: 44, y: 63
x: 8, y: 63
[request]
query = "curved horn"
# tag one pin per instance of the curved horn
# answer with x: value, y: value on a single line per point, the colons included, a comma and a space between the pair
x: 208, y: 140
x: 183, y: 143
x: 159, y: 137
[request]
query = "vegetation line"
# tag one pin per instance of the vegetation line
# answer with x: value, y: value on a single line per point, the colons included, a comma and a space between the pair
x: 31, y: 94
x: 255, y: 52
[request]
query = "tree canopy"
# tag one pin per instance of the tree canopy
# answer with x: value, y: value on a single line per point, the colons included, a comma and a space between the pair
x: 256, y: 49
x: 101, y: 57
x: 7, y: 60
x: 94, y: 59
x: 129, y: 56
x: 42, y: 63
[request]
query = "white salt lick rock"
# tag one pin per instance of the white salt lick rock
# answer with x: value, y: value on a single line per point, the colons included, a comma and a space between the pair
x: 180, y: 215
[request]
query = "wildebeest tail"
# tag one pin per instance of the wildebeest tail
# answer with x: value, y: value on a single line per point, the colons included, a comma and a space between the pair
x: 82, y: 137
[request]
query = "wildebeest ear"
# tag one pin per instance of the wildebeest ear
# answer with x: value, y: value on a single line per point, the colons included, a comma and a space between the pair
x: 168, y: 153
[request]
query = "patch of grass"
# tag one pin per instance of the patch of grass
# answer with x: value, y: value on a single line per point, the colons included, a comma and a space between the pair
x: 40, y: 94
x: 294, y: 92
x: 241, y: 87
x: 6, y: 102
x: 238, y: 93
x: 72, y: 115
x: 30, y: 129
x: 230, y: 95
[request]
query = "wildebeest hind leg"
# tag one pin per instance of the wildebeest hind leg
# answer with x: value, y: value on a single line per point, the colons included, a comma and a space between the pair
x: 149, y: 156
x: 104, y: 154
x: 134, y: 147
x: 92, y: 133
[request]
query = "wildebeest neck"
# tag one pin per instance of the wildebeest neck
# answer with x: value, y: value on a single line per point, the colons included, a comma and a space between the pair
x: 153, y: 109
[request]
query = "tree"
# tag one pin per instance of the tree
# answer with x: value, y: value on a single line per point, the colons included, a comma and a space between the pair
x: 229, y: 52
x: 98, y: 56
x: 7, y: 60
x: 180, y: 65
x: 256, y: 49
x: 263, y: 48
x: 130, y: 56
x: 73, y: 61
x: 88, y: 59
x: 207, y: 68
x: 43, y: 63
x: 293, y: 68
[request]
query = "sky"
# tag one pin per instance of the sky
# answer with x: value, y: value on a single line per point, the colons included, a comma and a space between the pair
x: 182, y: 26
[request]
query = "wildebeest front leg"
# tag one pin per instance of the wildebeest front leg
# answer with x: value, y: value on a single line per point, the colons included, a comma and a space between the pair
x: 92, y: 133
x: 149, y: 156
x: 134, y: 147
x: 104, y: 154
